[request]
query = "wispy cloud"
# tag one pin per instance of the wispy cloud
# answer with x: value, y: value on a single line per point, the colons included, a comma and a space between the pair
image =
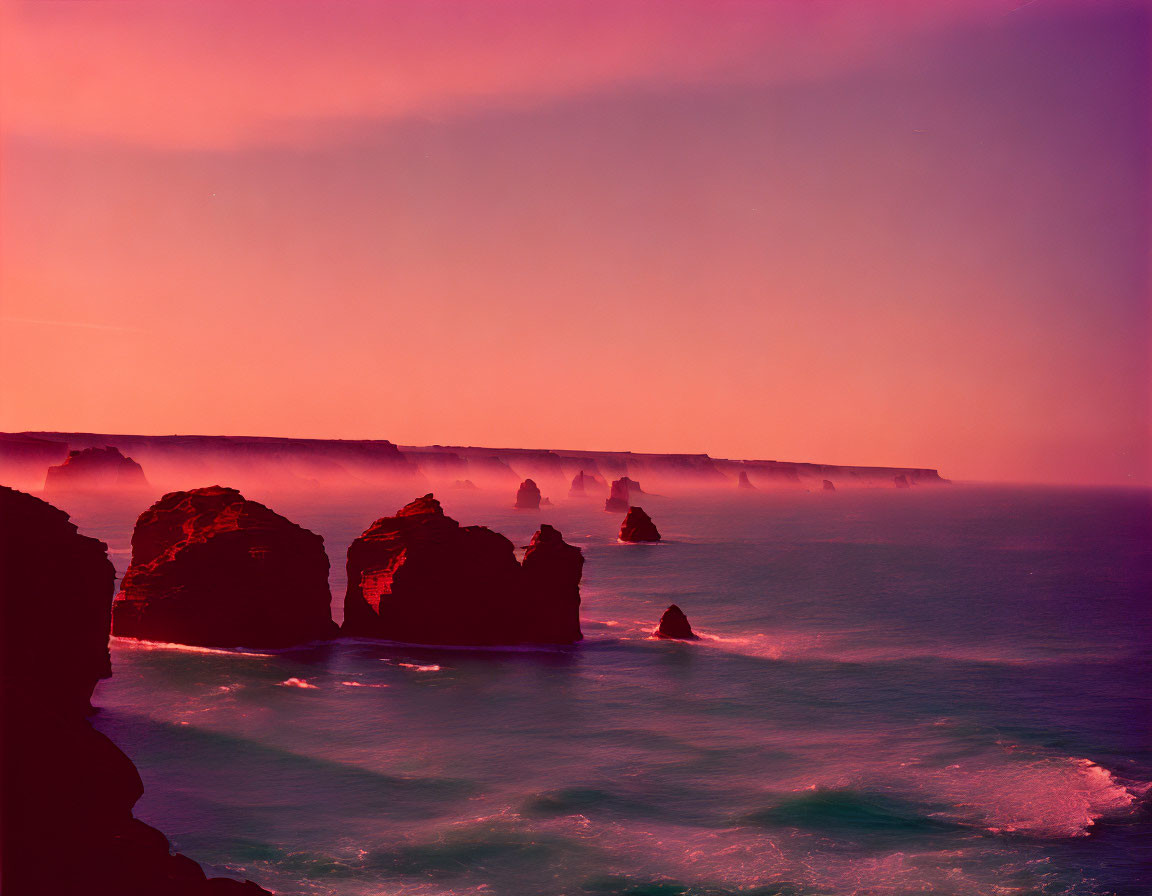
x: 78, y: 324
x: 217, y: 75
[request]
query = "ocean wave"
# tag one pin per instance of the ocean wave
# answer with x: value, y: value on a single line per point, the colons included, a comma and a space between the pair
x: 138, y: 644
x: 298, y: 683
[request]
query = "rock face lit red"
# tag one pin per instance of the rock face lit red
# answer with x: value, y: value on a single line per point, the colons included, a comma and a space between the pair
x: 421, y: 577
x: 95, y: 469
x: 744, y: 481
x: 621, y: 495
x: 674, y: 626
x: 68, y: 791
x: 212, y: 568
x: 638, y: 526
x: 528, y: 496
x: 828, y: 486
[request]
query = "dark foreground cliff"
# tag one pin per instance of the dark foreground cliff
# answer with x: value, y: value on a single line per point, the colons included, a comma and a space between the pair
x: 421, y: 577
x: 211, y: 568
x: 66, y: 818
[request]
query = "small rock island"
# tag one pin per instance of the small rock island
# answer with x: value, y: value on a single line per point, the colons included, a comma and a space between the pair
x: 638, y: 527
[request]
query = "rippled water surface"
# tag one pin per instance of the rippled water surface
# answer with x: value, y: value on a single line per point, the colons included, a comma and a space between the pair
x: 925, y: 691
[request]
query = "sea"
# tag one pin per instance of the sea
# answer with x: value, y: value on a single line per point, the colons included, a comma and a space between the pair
x: 937, y: 690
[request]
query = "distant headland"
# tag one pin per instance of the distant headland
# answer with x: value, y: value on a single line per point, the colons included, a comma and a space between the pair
x: 310, y: 463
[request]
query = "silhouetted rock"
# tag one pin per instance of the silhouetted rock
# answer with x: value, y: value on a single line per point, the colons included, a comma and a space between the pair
x: 901, y: 481
x: 528, y: 496
x: 421, y: 577
x: 638, y: 526
x: 744, y: 481
x: 466, y: 484
x: 828, y: 486
x: 57, y: 603
x: 620, y: 498
x: 552, y: 569
x: 68, y: 791
x: 210, y: 567
x: 545, y: 502
x: 95, y: 469
x: 674, y: 626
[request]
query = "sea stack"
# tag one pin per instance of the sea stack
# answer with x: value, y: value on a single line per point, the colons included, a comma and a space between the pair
x: 638, y: 526
x: 901, y: 481
x: 621, y: 494
x: 95, y: 470
x: 674, y: 626
x: 211, y: 568
x: 528, y: 496
x: 744, y: 481
x: 421, y: 577
x: 68, y: 790
x: 581, y: 483
x: 828, y: 486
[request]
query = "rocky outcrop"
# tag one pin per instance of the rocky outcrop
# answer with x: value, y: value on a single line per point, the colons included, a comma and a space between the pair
x: 552, y: 569
x: 620, y: 497
x: 57, y: 587
x: 638, y: 526
x: 68, y: 791
x: 465, y: 484
x: 744, y: 482
x: 828, y: 486
x: 583, y: 483
x: 211, y: 568
x: 95, y: 470
x: 674, y: 626
x: 421, y: 577
x: 528, y: 496
x: 901, y: 481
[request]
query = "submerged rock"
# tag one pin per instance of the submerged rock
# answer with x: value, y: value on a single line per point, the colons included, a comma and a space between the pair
x: 744, y: 481
x: 901, y: 481
x: 620, y: 497
x: 828, y: 486
x: 68, y: 790
x: 211, y: 568
x: 638, y: 526
x: 674, y: 626
x: 528, y: 496
x: 95, y: 469
x: 421, y: 577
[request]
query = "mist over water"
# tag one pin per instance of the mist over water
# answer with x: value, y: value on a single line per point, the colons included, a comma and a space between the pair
x: 898, y: 691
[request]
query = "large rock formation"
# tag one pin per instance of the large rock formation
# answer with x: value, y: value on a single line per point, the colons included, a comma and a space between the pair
x: 623, y: 490
x: 68, y: 791
x: 212, y: 568
x: 528, y: 496
x: 95, y: 470
x: 674, y: 626
x: 421, y: 577
x: 582, y: 483
x: 638, y: 526
x: 744, y: 481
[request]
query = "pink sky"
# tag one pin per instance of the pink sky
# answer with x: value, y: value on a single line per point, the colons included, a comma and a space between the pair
x: 852, y: 232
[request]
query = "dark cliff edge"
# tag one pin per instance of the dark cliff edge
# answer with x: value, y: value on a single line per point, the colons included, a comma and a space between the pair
x: 66, y: 817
